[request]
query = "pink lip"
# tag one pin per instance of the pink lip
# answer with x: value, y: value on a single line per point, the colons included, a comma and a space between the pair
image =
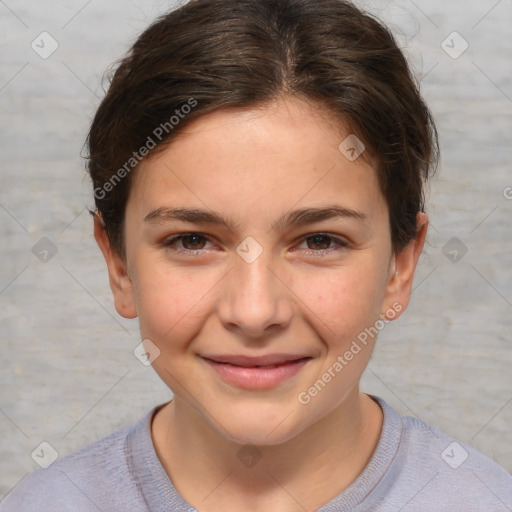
x: 263, y: 372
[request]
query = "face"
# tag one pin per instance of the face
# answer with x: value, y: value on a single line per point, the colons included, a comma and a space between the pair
x: 259, y: 290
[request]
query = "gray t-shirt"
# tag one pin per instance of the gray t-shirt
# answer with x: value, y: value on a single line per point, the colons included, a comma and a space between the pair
x: 415, y: 467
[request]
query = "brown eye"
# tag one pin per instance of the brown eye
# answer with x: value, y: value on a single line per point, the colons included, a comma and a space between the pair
x: 320, y: 241
x: 321, y: 244
x: 190, y: 242
x: 193, y: 241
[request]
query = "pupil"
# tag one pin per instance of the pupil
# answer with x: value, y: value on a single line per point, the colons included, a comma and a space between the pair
x: 316, y: 239
x: 195, y: 238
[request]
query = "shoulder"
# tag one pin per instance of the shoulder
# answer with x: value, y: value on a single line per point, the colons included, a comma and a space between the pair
x: 437, y: 446
x: 84, y: 480
x: 445, y: 474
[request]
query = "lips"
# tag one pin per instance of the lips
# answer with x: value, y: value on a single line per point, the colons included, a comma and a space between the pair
x: 251, y: 361
x: 262, y: 372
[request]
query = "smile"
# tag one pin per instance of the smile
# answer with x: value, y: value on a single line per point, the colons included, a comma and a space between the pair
x: 256, y: 373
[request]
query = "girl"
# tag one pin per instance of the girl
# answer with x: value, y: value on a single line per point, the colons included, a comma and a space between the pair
x: 258, y: 171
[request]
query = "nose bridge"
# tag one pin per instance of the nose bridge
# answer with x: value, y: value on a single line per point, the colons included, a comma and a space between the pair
x: 255, y: 299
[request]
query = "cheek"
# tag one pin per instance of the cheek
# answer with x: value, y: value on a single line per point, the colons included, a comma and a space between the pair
x: 342, y: 302
x: 170, y: 303
x: 173, y: 304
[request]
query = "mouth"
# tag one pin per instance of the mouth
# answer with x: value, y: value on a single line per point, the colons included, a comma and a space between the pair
x: 257, y: 373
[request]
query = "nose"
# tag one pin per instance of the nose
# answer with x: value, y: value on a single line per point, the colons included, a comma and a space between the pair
x: 255, y: 300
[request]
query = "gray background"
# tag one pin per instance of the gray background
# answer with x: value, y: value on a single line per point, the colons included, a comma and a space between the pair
x: 68, y: 375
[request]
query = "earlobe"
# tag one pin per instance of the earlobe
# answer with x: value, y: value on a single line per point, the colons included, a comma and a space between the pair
x: 120, y: 282
x: 403, y: 268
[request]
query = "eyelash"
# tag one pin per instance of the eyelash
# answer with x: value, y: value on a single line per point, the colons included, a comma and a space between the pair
x: 342, y: 244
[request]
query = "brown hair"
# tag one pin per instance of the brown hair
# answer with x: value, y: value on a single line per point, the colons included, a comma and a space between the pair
x: 213, y: 54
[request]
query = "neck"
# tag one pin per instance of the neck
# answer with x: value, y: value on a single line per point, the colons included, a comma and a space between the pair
x: 309, y: 469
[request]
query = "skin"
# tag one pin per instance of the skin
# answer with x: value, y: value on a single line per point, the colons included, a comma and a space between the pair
x: 252, y: 166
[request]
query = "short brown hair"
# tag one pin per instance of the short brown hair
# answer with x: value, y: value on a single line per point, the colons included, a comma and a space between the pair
x: 217, y: 54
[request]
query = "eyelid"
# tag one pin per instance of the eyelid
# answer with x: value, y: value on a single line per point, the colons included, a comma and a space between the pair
x: 170, y: 240
x: 341, y: 243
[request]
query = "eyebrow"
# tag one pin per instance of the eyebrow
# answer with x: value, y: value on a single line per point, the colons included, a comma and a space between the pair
x: 299, y: 217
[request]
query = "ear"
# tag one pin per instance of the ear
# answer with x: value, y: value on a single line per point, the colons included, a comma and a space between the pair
x: 120, y: 282
x: 402, y: 268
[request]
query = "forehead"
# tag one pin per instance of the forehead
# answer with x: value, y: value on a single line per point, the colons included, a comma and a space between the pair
x: 258, y: 162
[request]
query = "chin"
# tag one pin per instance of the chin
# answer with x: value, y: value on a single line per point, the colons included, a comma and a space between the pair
x: 264, y: 426
x: 258, y: 435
